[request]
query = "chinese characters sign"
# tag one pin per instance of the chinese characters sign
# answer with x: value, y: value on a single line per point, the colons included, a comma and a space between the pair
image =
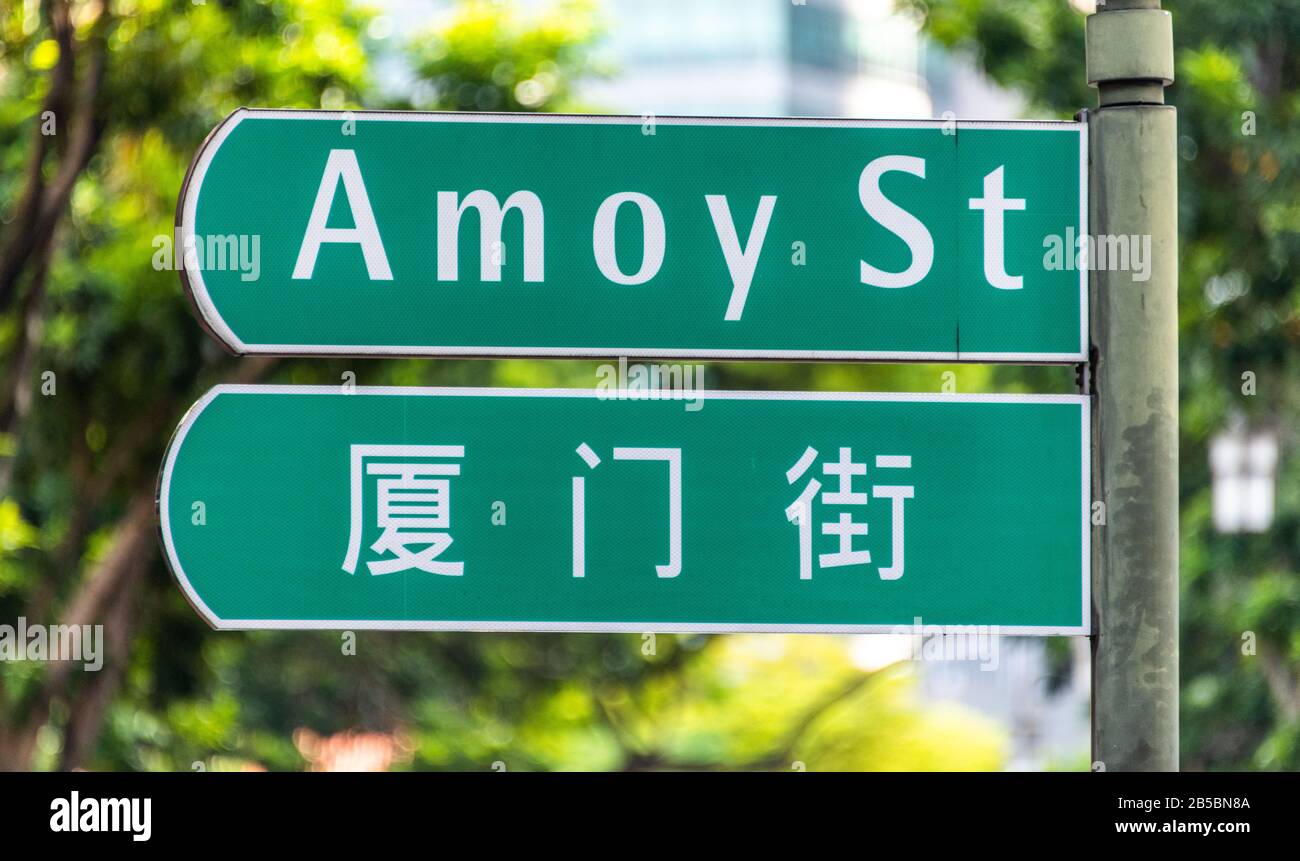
x: 519, y: 509
x: 460, y: 234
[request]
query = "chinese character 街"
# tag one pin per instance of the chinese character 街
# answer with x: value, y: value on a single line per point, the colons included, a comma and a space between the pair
x: 844, y: 527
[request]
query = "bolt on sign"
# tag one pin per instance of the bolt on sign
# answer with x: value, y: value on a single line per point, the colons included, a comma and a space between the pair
x: 557, y: 509
x: 442, y: 234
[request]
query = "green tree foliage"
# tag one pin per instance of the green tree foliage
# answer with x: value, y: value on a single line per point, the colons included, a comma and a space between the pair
x: 85, y: 217
x: 101, y: 105
x: 481, y: 60
x: 1237, y: 94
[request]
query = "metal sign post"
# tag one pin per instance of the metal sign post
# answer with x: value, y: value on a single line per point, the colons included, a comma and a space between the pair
x: 1135, y: 379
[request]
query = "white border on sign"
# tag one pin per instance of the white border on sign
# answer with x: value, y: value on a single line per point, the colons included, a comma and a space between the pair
x: 173, y: 560
x: 213, y: 322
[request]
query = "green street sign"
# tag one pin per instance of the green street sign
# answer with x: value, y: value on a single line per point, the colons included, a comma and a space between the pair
x: 444, y: 234
x: 562, y: 510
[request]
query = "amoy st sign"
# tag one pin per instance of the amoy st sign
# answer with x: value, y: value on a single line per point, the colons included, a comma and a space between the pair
x: 479, y: 234
x: 543, y: 509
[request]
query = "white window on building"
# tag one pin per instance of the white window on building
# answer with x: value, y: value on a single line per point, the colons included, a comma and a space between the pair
x: 1244, y: 469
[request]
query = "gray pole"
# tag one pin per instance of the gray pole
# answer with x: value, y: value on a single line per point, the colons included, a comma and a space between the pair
x: 1134, y: 379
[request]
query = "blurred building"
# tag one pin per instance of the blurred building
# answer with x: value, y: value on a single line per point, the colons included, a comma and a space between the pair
x: 1243, y: 465
x: 833, y: 58
x: 1044, y: 708
x: 762, y: 57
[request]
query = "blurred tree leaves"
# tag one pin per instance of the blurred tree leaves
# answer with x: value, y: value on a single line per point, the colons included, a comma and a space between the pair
x: 480, y: 59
